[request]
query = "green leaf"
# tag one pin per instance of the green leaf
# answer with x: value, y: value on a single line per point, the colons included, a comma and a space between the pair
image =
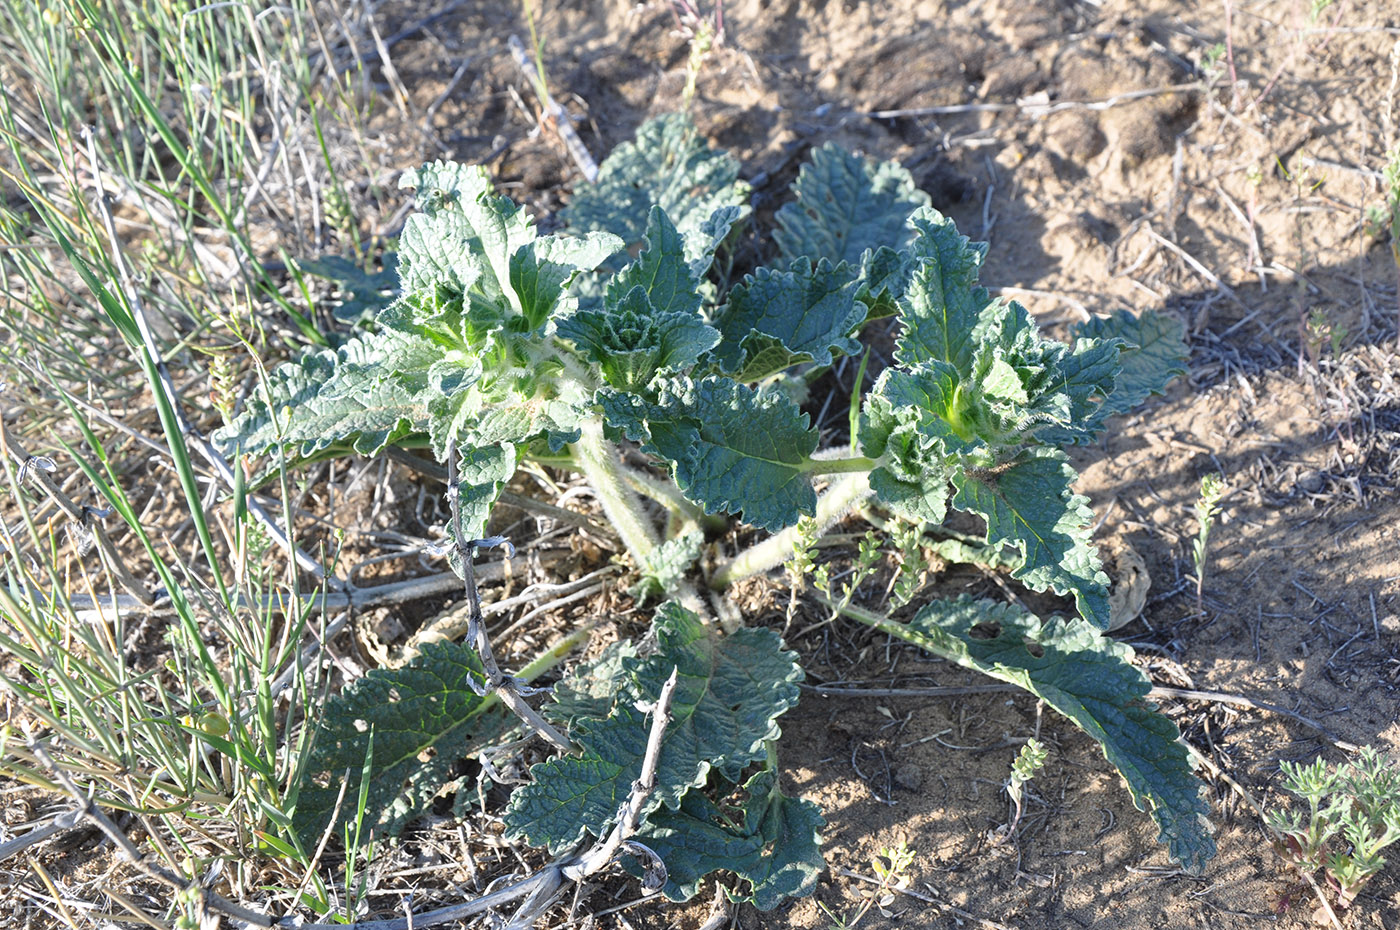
x: 464, y: 236
x: 942, y: 303
x: 362, y: 293
x: 732, y: 448
x: 1154, y: 354
x: 1091, y: 680
x: 665, y: 566
x: 335, y: 395
x: 669, y: 165
x: 1031, y: 505
x: 424, y: 718
x: 804, y: 313
x: 907, y: 424
x: 701, y: 244
x: 845, y: 205
x: 589, y: 688
x: 481, y: 475
x: 770, y: 841
x: 729, y: 694
x: 631, y: 341
x: 661, y: 271
x: 542, y: 269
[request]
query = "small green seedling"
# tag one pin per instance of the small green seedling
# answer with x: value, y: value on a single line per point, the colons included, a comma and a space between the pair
x: 1029, y: 761
x: 891, y: 867
x: 1353, y: 814
x: 1207, y: 509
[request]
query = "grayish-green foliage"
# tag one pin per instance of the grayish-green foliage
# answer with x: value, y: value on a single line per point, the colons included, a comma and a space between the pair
x: 844, y: 205
x: 421, y: 719
x: 671, y: 166
x: 1091, y: 680
x: 730, y: 692
x: 508, y: 344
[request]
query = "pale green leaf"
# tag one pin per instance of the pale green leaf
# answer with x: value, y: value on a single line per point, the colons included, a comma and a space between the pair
x: 541, y: 270
x: 942, y: 302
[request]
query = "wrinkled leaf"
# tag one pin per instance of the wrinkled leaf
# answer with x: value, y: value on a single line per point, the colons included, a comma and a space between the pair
x: 845, y: 205
x: 424, y: 717
x: 730, y: 691
x: 1091, y: 680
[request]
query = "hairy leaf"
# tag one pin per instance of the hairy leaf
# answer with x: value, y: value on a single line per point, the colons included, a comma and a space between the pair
x: 464, y: 236
x: 942, y: 302
x: 335, y: 395
x: 631, y: 341
x: 846, y: 205
x: 1091, y: 680
x: 732, y: 448
x: 661, y: 271
x: 1154, y: 354
x: 728, y: 696
x: 542, y: 269
x: 1031, y: 505
x: 423, y: 717
x: 775, y: 319
x: 771, y: 841
x: 669, y: 165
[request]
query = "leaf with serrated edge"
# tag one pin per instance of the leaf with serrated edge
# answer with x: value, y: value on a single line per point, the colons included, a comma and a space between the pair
x: 336, y: 395
x: 631, y: 341
x: 845, y: 205
x: 1032, y: 505
x: 542, y: 269
x: 942, y: 303
x: 670, y: 165
x: 424, y: 718
x: 461, y: 215
x: 732, y: 448
x: 661, y: 271
x: 730, y: 691
x: 1156, y: 353
x: 363, y: 293
x: 810, y: 312
x: 1091, y: 680
x: 481, y: 474
x: 775, y: 846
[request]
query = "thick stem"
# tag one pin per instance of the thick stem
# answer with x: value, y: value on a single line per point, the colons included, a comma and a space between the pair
x: 597, y: 459
x: 860, y: 463
x: 835, y: 502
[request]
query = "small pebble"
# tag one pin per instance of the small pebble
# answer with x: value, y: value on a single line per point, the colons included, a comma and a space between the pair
x: 909, y: 776
x: 1310, y: 481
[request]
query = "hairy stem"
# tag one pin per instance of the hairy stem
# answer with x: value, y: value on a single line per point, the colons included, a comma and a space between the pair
x: 835, y: 502
x: 597, y: 459
x: 860, y: 463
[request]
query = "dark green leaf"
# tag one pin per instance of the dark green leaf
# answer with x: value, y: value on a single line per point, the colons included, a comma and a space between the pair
x: 846, y: 205
x: 1091, y: 680
x: 772, y: 842
x: 808, y: 313
x: 730, y: 691
x: 1031, y: 505
x: 424, y: 718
